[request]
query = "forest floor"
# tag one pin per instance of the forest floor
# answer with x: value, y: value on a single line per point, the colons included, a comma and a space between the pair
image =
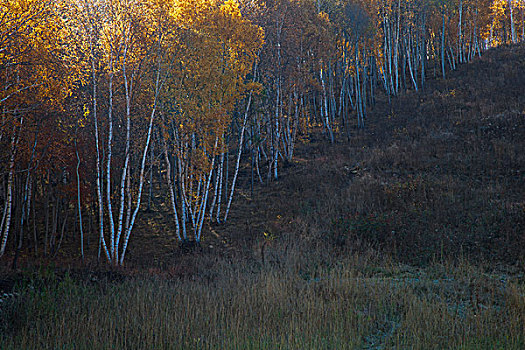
x: 410, y: 234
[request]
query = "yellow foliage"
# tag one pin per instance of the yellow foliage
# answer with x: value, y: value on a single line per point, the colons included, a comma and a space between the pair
x: 35, y: 60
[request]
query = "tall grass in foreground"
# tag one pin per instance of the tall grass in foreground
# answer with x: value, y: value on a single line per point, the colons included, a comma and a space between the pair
x: 345, y: 307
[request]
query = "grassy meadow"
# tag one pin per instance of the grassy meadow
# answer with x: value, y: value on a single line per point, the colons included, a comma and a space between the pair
x: 362, y: 302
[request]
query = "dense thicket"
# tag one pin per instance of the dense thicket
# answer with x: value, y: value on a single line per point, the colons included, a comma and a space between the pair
x: 101, y: 99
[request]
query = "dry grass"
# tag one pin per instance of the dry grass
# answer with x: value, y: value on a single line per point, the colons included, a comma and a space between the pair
x: 360, y: 302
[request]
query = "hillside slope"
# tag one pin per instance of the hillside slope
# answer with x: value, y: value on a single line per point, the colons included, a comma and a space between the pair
x: 437, y: 173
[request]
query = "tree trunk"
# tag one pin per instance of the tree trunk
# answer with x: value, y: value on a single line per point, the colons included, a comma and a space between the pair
x: 443, y: 45
x: 79, y: 203
x: 6, y: 219
x: 170, y: 188
x: 236, y: 172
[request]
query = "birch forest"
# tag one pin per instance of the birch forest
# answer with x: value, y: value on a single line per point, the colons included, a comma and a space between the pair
x: 262, y: 174
x: 109, y: 105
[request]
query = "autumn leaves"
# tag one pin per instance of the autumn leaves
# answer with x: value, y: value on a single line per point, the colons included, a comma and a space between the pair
x: 119, y: 76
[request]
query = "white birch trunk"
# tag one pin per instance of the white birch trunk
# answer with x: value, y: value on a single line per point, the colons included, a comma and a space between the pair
x: 220, y: 174
x: 128, y: 191
x: 128, y: 86
x: 324, y: 110
x: 183, y: 200
x: 443, y: 45
x: 6, y: 220
x: 523, y: 21
x: 99, y: 175
x: 158, y: 87
x: 172, y: 193
x: 411, y: 70
x: 396, y: 46
x: 79, y: 203
x: 460, y: 33
x: 216, y: 186
x: 236, y: 172
x: 512, y: 26
x: 141, y: 178
x: 202, y: 211
x: 108, y: 165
